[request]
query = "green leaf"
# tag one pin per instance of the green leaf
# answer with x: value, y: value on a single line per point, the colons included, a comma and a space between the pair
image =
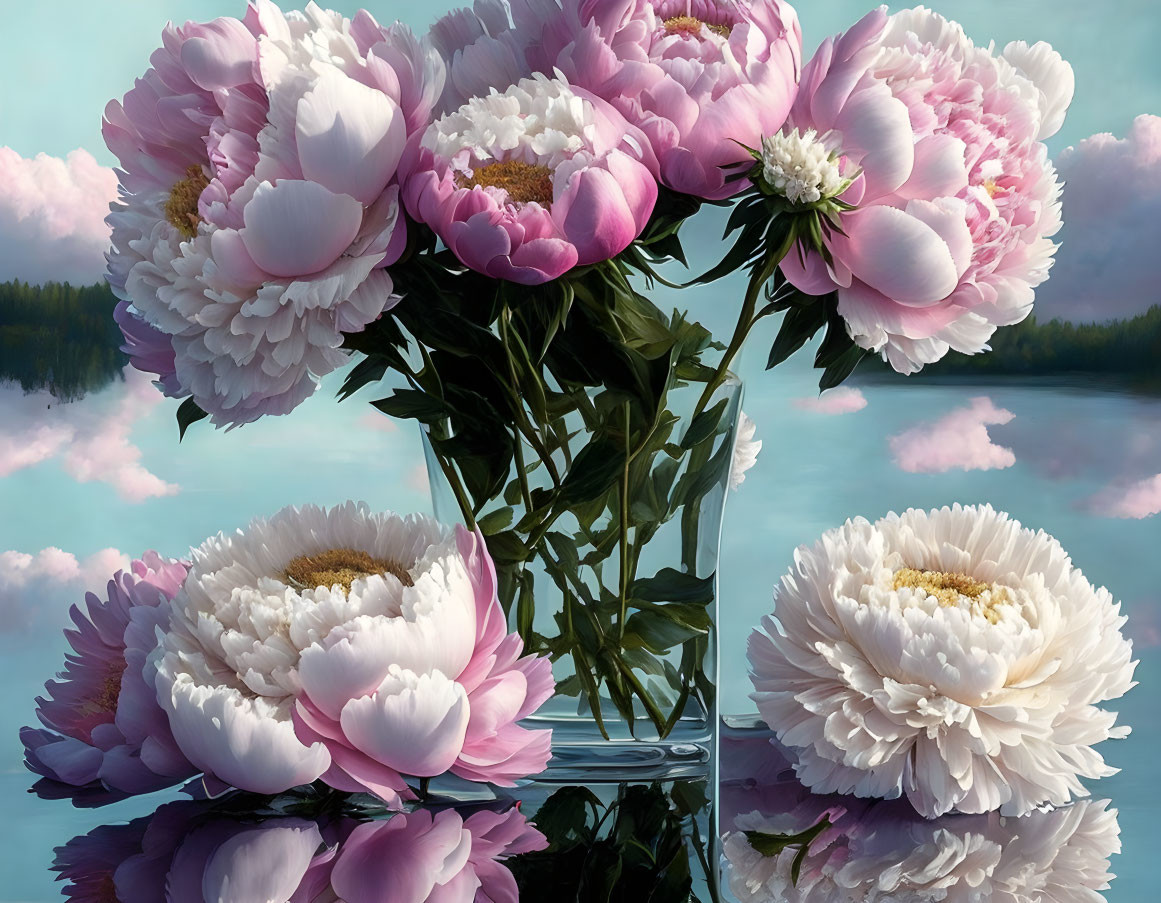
x: 564, y: 816
x: 495, y: 521
x: 704, y: 425
x: 594, y: 471
x: 840, y: 368
x: 670, y: 585
x: 507, y: 548
x: 525, y: 605
x: 188, y: 413
x: 798, y: 326
x: 413, y: 404
x: 565, y: 551
x: 654, y: 631
x: 746, y: 246
x: 369, y: 370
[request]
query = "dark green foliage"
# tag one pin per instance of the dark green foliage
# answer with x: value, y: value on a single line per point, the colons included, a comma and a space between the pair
x: 59, y: 337
x: 548, y: 409
x: 1128, y: 348
x: 773, y: 844
x: 639, y: 848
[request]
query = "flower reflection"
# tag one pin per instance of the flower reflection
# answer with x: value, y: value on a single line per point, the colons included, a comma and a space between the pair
x: 849, y: 849
x: 299, y: 849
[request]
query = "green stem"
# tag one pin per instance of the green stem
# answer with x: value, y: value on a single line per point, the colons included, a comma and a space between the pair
x: 519, y: 415
x: 699, y: 848
x: 522, y: 473
x: 746, y: 319
x: 458, y: 490
x: 624, y: 538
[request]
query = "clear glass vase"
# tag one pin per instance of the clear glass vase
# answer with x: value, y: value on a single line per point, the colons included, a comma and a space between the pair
x: 622, y: 590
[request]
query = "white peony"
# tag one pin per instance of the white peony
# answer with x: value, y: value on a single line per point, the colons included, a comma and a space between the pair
x: 882, y: 856
x: 228, y: 667
x: 746, y: 450
x: 952, y: 656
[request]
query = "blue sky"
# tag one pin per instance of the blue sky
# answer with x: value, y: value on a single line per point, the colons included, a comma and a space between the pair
x: 65, y: 59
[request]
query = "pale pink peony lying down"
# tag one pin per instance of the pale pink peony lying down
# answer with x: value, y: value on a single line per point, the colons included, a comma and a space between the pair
x: 351, y: 646
x: 377, y: 720
x: 956, y: 198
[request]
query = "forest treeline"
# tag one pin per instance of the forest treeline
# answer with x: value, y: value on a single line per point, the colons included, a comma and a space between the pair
x: 1125, y: 348
x: 63, y: 338
x: 59, y: 337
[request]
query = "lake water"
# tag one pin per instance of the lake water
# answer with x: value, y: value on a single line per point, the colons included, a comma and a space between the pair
x: 1071, y: 443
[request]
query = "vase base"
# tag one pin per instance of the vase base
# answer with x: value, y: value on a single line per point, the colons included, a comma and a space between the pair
x: 580, y: 753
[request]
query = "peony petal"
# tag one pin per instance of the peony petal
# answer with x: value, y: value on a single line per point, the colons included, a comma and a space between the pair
x: 350, y: 137
x: 416, y: 724
x: 807, y: 272
x: 897, y: 254
x: 595, y: 216
x: 939, y: 171
x: 295, y: 228
x: 400, y: 860
x: 245, y: 742
x: 876, y: 131
x: 264, y: 863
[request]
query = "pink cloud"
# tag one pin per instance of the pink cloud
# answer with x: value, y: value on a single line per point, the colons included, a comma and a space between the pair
x: 1135, y: 501
x: 34, y: 584
x: 843, y: 400
x: 1108, y: 266
x: 417, y: 478
x: 52, y: 217
x: 1144, y: 625
x: 957, y: 441
x: 91, y: 438
x: 373, y: 420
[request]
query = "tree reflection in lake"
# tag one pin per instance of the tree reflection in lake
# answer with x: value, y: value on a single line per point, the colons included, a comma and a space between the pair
x: 59, y: 338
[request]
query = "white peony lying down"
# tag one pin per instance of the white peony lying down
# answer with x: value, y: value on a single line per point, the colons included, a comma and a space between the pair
x: 951, y: 656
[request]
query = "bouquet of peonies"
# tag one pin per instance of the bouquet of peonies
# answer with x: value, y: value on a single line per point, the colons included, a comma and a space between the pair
x: 474, y: 214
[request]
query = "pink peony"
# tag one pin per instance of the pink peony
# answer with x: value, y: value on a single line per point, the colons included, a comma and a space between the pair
x: 526, y: 184
x: 439, y: 857
x: 259, y: 202
x: 697, y: 76
x: 349, y: 646
x: 956, y: 197
x: 381, y: 716
x: 104, y: 724
x: 192, y: 852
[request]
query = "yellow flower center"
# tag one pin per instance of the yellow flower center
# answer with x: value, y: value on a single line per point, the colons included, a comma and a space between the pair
x: 181, y: 210
x: 342, y: 567
x: 954, y: 590
x: 991, y: 187
x: 691, y: 26
x: 526, y: 183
